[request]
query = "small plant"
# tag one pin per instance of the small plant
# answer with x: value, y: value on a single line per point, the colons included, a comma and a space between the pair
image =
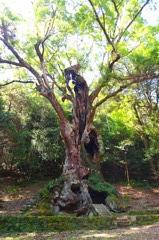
x: 45, y: 194
x: 57, y: 181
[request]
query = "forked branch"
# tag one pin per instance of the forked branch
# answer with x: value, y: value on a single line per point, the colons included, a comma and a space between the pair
x: 102, y: 26
x: 122, y: 87
x: 133, y: 19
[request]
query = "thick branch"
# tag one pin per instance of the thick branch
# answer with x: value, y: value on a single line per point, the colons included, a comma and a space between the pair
x: 114, y: 61
x: 10, y: 62
x: 46, y: 92
x: 63, y: 90
x: 59, y: 110
x: 22, y: 62
x: 95, y: 93
x: 121, y: 88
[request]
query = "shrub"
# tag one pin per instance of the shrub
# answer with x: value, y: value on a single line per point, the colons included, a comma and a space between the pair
x: 98, y: 184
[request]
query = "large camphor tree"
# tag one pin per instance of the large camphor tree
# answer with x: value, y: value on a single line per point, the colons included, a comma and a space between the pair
x: 58, y: 41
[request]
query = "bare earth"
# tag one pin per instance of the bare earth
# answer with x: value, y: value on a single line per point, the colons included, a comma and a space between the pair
x: 137, y: 199
x: 13, y: 200
x: 138, y: 233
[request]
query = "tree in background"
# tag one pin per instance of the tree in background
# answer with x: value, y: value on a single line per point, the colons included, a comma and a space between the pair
x: 31, y: 143
x: 57, y: 36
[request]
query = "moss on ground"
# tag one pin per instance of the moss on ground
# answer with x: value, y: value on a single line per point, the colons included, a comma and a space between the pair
x: 116, y: 202
x: 147, y: 219
x: 146, y: 212
x: 10, y: 224
x: 53, y: 223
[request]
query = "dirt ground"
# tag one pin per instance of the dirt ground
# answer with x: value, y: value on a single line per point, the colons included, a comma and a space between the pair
x: 14, y: 199
x: 134, y: 233
x: 139, y: 198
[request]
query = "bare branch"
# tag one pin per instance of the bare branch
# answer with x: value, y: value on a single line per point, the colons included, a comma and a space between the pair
x: 63, y: 90
x: 117, y: 16
x: 102, y: 27
x: 141, y: 78
x: 115, y: 7
x: 133, y: 19
x: 111, y: 42
x: 22, y: 63
x: 37, y: 47
x: 41, y: 57
x: 10, y: 62
x: 15, y: 81
x: 46, y: 91
x: 103, y: 14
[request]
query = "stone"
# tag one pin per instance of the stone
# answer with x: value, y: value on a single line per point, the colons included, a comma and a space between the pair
x: 114, y: 204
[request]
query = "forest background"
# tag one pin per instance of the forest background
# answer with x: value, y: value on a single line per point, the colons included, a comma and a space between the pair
x: 30, y: 141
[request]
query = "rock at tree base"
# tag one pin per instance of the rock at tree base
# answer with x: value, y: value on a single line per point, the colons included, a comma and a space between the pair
x: 114, y: 204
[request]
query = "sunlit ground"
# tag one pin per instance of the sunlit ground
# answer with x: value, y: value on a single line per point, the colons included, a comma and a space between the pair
x: 134, y: 233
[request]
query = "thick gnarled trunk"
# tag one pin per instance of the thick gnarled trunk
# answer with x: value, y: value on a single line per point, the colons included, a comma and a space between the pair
x: 73, y: 195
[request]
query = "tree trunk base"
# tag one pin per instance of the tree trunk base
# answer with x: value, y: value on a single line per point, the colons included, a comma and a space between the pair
x: 72, y: 197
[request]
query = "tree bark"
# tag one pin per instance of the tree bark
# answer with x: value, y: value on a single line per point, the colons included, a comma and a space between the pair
x: 73, y: 195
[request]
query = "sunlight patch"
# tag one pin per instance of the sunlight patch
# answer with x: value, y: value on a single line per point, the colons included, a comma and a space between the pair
x: 97, y: 235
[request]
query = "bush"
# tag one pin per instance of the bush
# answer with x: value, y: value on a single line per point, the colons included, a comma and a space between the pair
x: 98, y: 184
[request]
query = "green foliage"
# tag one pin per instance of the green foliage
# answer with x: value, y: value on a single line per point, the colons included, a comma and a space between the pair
x: 43, y: 207
x: 45, y: 194
x: 122, y: 139
x: 34, y: 145
x: 96, y: 182
x: 5, y: 116
x: 70, y: 33
x: 140, y: 184
x: 143, y: 212
x: 115, y: 203
x: 58, y: 181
